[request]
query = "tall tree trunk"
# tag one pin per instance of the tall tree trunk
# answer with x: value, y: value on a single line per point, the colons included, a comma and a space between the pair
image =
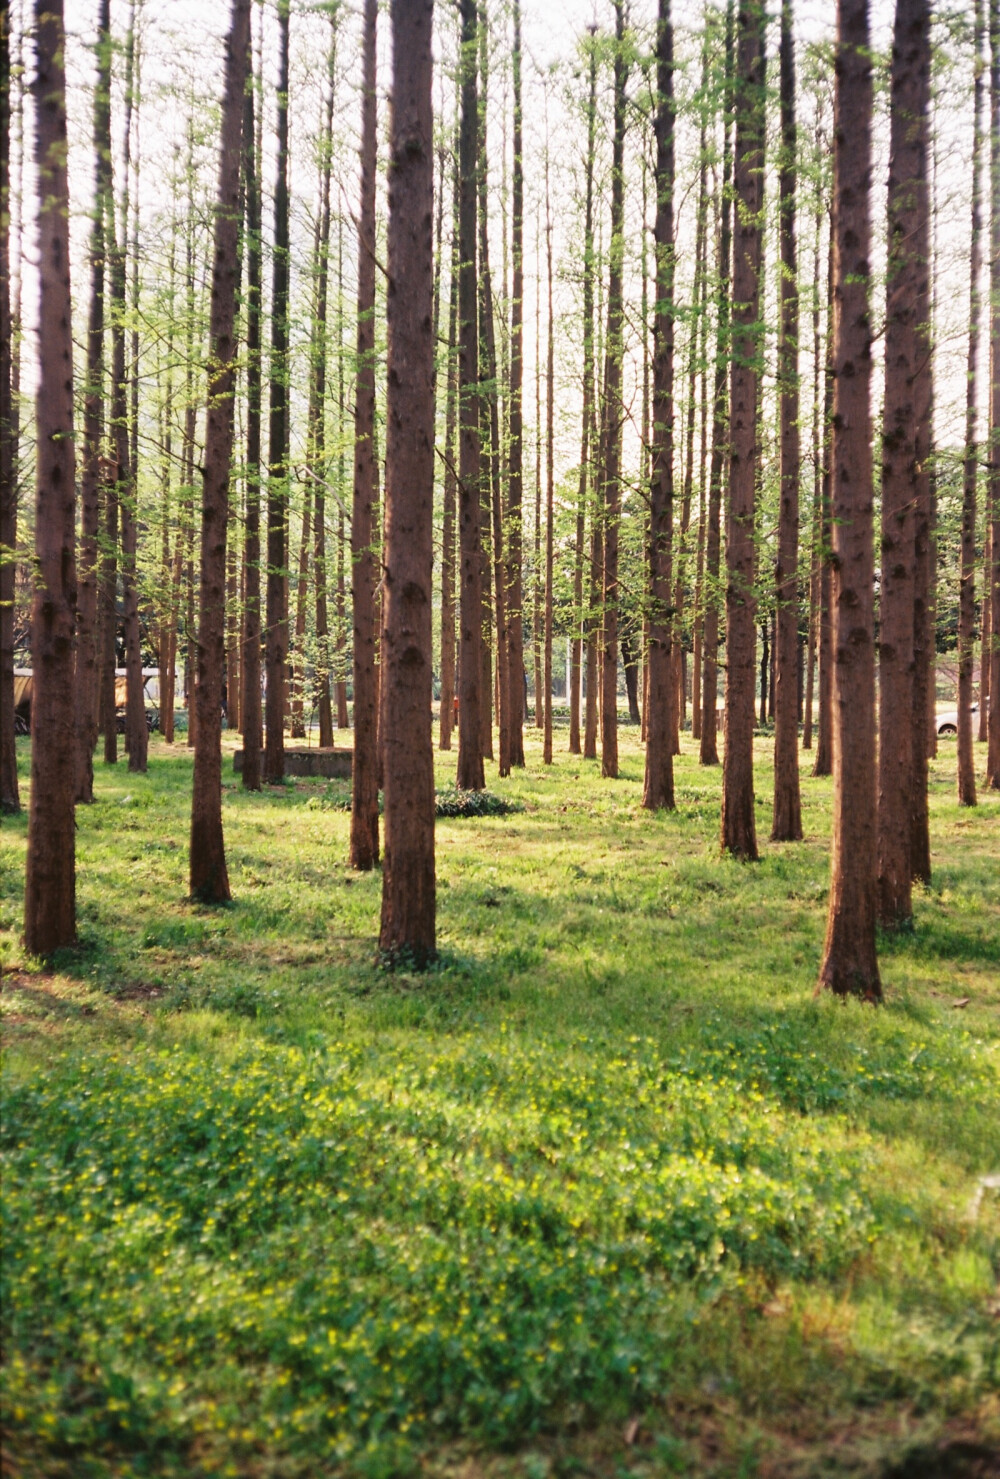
x: 446, y: 718
x: 10, y: 800
x: 658, y: 790
x: 471, y: 775
x: 250, y: 666
x: 515, y: 485
x: 297, y: 664
x: 364, y: 796
x: 208, y: 874
x: 93, y: 426
x: 408, y: 882
x: 967, y: 575
x: 536, y: 577
x: 317, y: 404
x: 709, y: 751
x: 739, y: 832
x: 550, y: 377
x: 585, y: 642
x: 850, y: 966
x: 136, y: 733
x: 786, y: 825
x: 823, y: 762
x: 817, y: 460
x: 50, y: 884
x: 613, y: 412
x: 277, y: 457
x: 993, y: 729
x: 905, y: 450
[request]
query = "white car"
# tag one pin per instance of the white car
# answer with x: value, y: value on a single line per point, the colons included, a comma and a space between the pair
x: 947, y: 723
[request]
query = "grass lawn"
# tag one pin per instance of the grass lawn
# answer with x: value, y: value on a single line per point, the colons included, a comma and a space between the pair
x: 607, y: 1192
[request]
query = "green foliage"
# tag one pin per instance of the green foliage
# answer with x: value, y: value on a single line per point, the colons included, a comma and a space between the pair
x: 452, y: 802
x: 268, y: 1209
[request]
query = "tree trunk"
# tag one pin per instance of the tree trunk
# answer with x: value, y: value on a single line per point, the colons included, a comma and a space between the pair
x: 317, y: 404
x: 850, y: 966
x: 515, y: 486
x: 250, y: 666
x: 613, y: 413
x: 967, y: 577
x: 408, y: 884
x: 739, y: 833
x: 471, y: 775
x: 581, y: 621
x: 209, y: 877
x: 50, y: 885
x: 786, y: 825
x: 993, y: 728
x: 446, y: 717
x: 823, y: 762
x: 364, y: 797
x: 817, y: 458
x: 297, y: 663
x: 10, y: 800
x: 658, y: 790
x: 550, y: 386
x: 277, y: 480
x: 136, y: 733
x: 904, y: 451
x: 536, y: 577
x: 709, y: 751
x: 93, y: 427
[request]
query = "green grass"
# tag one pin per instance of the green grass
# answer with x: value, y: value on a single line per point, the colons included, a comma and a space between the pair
x: 605, y: 1192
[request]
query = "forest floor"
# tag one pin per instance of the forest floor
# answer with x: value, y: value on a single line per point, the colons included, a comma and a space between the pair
x: 608, y: 1192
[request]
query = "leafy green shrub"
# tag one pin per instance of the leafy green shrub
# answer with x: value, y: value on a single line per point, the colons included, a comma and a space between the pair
x: 452, y: 802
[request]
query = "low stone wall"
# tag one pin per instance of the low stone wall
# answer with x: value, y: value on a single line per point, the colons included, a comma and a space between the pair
x: 329, y: 764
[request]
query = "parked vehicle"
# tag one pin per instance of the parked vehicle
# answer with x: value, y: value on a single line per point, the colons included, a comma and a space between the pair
x: 947, y: 723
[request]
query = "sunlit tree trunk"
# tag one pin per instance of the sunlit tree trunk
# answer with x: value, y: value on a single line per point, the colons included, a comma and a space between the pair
x: 993, y: 730
x: 550, y: 381
x: 317, y: 405
x: 364, y: 797
x: 208, y: 874
x: 408, y: 883
x: 250, y: 666
x: 515, y: 487
x: 471, y: 775
x: 50, y: 883
x: 905, y: 450
x: 10, y: 800
x: 446, y: 718
x: 739, y: 832
x: 613, y: 413
x: 850, y: 966
x: 658, y: 790
x: 277, y: 457
x: 967, y: 566
x: 786, y: 823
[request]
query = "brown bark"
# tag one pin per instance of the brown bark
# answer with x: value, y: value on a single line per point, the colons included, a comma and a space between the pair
x: 739, y: 834
x: 904, y: 451
x: 9, y: 796
x: 786, y: 825
x: 317, y: 406
x: 817, y: 461
x: 583, y: 643
x: 967, y: 575
x: 709, y: 751
x: 515, y: 483
x: 536, y: 574
x: 612, y: 414
x: 297, y: 660
x: 50, y: 884
x: 209, y: 878
x: 850, y: 966
x: 408, y: 882
x: 446, y: 717
x: 550, y: 378
x: 136, y: 733
x: 658, y: 791
x: 108, y: 592
x: 471, y: 775
x: 277, y: 457
x: 364, y: 798
x: 250, y: 666
x: 823, y: 761
x: 93, y: 428
x: 993, y: 728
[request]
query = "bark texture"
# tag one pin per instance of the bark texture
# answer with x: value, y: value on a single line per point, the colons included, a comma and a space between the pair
x: 786, y: 824
x: 905, y: 450
x: 50, y: 884
x: 993, y: 728
x: 208, y: 875
x: 277, y: 481
x: 250, y: 667
x: 10, y: 800
x: 658, y: 790
x: 739, y: 833
x: 850, y: 966
x: 364, y: 796
x: 408, y: 882
x: 515, y: 483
